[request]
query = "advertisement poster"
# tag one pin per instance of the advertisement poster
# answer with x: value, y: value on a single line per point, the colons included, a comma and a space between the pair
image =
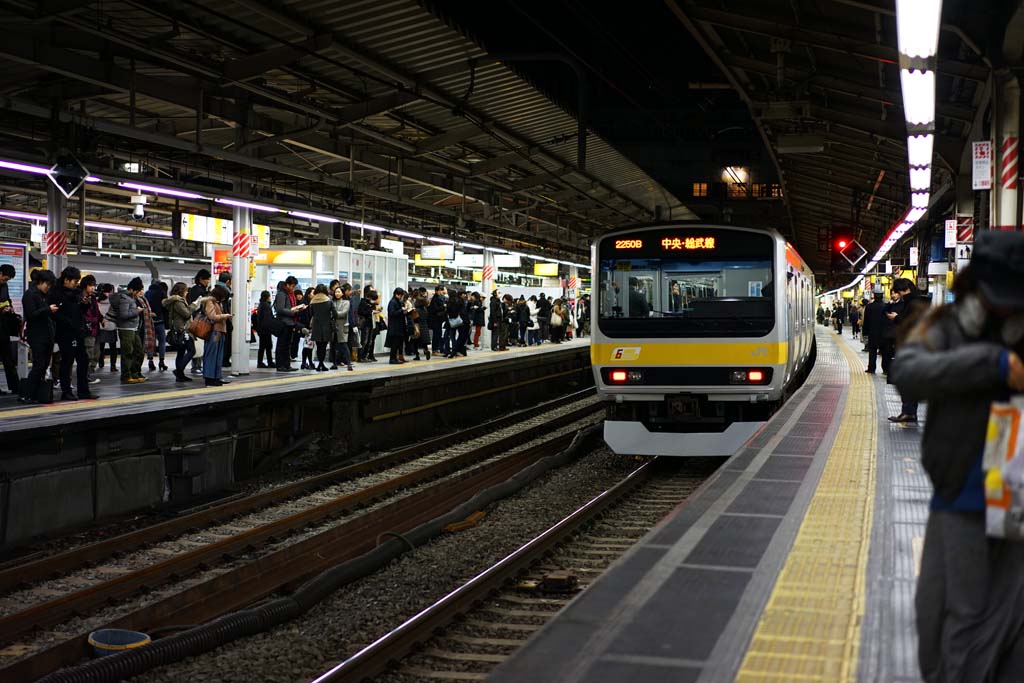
x: 981, y: 171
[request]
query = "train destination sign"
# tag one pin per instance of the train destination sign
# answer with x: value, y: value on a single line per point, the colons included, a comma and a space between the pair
x: 687, y: 243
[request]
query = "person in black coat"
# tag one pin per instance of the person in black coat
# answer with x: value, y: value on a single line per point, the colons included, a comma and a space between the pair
x: 264, y: 328
x: 456, y: 310
x: 494, y: 319
x: 874, y: 324
x: 199, y: 289
x: 912, y: 306
x: 436, y: 319
x: 10, y: 326
x: 40, y: 331
x: 522, y: 319
x: 477, y: 316
x: 395, y: 338
x: 70, y: 333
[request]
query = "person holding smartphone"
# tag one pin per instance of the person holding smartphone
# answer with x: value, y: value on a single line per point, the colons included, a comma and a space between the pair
x: 213, y: 351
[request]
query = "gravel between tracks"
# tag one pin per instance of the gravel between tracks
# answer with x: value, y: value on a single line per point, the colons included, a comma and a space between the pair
x: 357, y: 614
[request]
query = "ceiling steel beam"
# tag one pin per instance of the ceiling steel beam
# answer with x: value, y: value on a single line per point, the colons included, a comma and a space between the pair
x: 452, y: 137
x: 834, y: 38
x: 274, y: 58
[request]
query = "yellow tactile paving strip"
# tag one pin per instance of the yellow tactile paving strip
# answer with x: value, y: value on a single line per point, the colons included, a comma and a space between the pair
x: 810, y: 628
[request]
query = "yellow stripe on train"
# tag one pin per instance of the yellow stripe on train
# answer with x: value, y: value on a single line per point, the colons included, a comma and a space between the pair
x: 719, y: 353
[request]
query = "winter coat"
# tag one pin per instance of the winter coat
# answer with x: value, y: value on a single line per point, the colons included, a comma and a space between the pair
x: 93, y: 317
x: 321, y: 318
x: 522, y: 314
x: 563, y: 312
x: 874, y: 319
x: 213, y: 312
x: 436, y: 310
x: 70, y: 317
x: 283, y: 308
x: 155, y: 297
x: 177, y: 312
x: 426, y: 336
x: 396, y: 325
x: 341, y: 308
x: 494, y: 312
x: 196, y: 292
x: 531, y: 310
x: 264, y: 316
x: 455, y: 308
x: 147, y: 331
x: 39, y: 325
x: 959, y: 376
x: 476, y: 312
x: 544, y: 308
x: 125, y: 311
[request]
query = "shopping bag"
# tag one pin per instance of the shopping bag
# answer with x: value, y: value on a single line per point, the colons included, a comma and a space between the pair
x: 1004, y: 471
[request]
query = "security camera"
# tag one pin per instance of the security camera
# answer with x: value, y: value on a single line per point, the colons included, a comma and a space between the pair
x: 138, y: 206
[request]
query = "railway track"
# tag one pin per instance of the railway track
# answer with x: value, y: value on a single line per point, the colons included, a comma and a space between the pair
x: 486, y: 619
x: 272, y: 565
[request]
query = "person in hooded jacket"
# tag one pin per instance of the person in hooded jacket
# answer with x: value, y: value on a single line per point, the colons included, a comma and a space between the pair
x: 961, y: 358
x: 178, y: 314
x: 70, y: 333
x: 40, y: 331
x: 126, y: 313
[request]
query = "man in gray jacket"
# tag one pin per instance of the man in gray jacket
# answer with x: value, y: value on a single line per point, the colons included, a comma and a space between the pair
x: 285, y: 310
x: 125, y: 313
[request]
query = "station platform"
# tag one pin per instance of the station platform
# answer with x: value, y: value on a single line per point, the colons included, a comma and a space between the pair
x: 159, y: 445
x: 796, y: 561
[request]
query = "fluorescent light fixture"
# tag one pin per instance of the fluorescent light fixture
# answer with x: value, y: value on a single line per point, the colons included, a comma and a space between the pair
x: 314, y: 217
x: 157, y: 233
x: 917, y: 27
x: 918, y: 96
x: 24, y: 168
x: 497, y: 250
x: 520, y: 254
x: 403, y: 233
x: 919, y: 200
x: 108, y: 226
x: 170, y: 192
x: 247, y: 205
x: 471, y: 246
x: 919, y: 149
x: 23, y: 215
x: 916, y: 214
x: 365, y: 226
x: 442, y: 240
x: 921, y: 179
x: 92, y: 179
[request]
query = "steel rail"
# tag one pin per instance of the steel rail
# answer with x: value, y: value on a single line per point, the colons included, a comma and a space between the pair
x: 57, y: 610
x: 288, y: 567
x: 61, y: 563
x: 376, y: 657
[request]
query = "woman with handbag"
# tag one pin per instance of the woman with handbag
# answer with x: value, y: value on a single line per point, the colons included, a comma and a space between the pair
x: 559, y: 316
x: 265, y: 331
x: 395, y: 338
x: 422, y: 333
x: 455, y: 309
x: 960, y: 359
x: 213, y: 349
x: 321, y: 325
x: 178, y: 314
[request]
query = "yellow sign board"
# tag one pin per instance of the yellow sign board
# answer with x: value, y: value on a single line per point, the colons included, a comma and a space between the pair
x: 478, y: 276
x: 545, y: 269
x: 217, y: 230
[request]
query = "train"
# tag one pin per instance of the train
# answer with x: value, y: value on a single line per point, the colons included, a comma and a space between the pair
x: 699, y: 334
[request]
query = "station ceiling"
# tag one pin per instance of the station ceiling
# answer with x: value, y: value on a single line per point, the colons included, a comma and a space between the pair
x: 302, y: 102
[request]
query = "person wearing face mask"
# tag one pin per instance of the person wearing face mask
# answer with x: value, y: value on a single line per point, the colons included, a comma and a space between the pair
x: 960, y: 359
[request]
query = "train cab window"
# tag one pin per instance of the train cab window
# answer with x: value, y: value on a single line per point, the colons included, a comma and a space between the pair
x: 687, y: 283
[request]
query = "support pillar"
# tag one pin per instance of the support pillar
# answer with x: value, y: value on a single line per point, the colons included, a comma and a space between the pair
x: 1004, y: 214
x: 56, y: 247
x: 242, y: 220
x: 490, y: 273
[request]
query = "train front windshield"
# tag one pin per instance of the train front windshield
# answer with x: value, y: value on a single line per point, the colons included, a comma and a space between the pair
x: 686, y: 283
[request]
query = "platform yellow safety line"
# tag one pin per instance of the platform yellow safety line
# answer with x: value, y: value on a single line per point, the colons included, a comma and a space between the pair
x: 810, y: 628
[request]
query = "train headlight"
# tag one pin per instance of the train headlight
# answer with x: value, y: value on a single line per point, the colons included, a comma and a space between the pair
x: 755, y: 376
x: 618, y: 376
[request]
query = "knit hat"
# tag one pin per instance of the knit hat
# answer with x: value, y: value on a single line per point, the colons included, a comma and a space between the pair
x: 135, y: 284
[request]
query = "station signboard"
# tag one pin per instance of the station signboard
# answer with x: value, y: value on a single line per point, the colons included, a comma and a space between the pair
x: 217, y: 230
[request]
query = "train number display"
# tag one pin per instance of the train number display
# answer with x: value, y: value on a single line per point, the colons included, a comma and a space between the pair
x: 629, y: 244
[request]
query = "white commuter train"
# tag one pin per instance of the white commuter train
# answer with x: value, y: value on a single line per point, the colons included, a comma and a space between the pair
x: 699, y: 333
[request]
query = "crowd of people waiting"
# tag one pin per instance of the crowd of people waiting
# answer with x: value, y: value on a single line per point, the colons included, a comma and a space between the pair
x: 87, y: 322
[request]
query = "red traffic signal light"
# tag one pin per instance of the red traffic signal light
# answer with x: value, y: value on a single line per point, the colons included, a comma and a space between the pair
x: 841, y: 244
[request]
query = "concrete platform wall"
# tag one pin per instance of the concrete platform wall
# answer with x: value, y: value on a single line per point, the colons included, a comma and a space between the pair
x: 126, y: 459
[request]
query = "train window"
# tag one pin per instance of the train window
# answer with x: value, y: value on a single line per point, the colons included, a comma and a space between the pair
x: 726, y: 291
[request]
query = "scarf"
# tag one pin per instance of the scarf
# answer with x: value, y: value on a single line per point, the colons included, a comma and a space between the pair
x: 148, y: 332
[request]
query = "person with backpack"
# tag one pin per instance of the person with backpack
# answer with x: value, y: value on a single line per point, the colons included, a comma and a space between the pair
x: 40, y: 333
